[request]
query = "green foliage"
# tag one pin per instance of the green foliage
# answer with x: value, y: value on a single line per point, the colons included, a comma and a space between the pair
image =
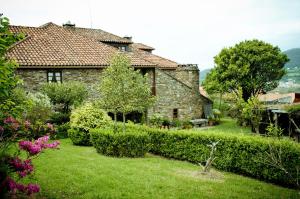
x: 67, y: 94
x: 62, y: 130
x: 252, y: 112
x: 129, y: 144
x: 85, y: 118
x: 88, y: 117
x: 123, y: 89
x: 8, y: 79
x: 292, y: 108
x: 239, y: 154
x: 274, y: 131
x: 147, y: 178
x: 156, y: 120
x: 60, y: 118
x: 253, y: 65
x: 39, y: 108
x: 78, y: 137
x: 15, y: 104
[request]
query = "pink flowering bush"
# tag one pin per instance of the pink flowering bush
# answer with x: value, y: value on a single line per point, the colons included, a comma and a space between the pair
x: 11, y: 131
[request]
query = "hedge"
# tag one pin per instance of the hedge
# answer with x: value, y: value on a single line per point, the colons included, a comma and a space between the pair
x: 129, y: 144
x: 79, y: 137
x: 238, y: 153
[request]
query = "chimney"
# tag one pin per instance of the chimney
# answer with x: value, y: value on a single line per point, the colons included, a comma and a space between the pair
x: 68, y: 24
x: 128, y: 37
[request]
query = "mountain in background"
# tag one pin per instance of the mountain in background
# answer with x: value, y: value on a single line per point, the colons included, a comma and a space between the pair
x: 291, y: 81
x: 203, y: 74
x: 294, y: 56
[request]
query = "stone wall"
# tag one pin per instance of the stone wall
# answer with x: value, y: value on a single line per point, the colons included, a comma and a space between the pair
x: 91, y: 77
x: 33, y: 79
x: 177, y: 89
x: 173, y: 94
x: 188, y: 74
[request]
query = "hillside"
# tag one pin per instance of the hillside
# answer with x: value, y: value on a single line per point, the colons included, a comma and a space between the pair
x: 291, y: 81
x: 294, y: 56
x: 203, y: 74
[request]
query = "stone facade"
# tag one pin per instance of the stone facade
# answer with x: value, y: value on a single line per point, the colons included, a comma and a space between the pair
x: 33, y: 79
x: 176, y: 90
x: 172, y: 95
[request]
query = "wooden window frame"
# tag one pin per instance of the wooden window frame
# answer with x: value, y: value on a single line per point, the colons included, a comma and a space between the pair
x: 54, y: 73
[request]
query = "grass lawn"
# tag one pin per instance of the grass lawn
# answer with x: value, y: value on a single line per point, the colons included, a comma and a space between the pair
x: 80, y: 172
x: 227, y: 125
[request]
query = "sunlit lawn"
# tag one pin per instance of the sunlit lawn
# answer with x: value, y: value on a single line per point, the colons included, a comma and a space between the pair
x: 227, y: 125
x: 80, y: 172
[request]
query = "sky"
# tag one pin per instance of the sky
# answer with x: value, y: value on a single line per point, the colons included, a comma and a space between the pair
x: 186, y: 31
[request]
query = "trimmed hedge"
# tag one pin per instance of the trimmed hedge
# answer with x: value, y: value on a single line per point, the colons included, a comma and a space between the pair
x: 241, y: 154
x: 79, y: 137
x: 238, y: 153
x: 128, y: 144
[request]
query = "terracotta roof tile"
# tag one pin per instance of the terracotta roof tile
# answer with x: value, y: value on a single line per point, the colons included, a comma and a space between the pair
x: 160, y: 61
x: 54, y: 46
x: 99, y: 35
x: 142, y: 46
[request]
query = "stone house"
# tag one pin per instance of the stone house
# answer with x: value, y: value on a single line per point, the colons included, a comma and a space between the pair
x: 52, y: 53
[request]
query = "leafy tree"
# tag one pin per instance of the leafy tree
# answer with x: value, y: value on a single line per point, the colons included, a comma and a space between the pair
x: 8, y: 79
x: 124, y: 89
x: 253, y: 65
x: 66, y: 94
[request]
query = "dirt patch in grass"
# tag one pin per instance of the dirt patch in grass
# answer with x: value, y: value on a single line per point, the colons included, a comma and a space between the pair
x: 212, y: 175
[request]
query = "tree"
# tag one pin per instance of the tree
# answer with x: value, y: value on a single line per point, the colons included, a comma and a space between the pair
x: 124, y: 89
x: 8, y: 79
x: 66, y: 94
x: 252, y: 65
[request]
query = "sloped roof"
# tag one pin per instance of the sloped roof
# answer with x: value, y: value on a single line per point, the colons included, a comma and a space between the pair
x: 160, y: 61
x: 51, y: 46
x: 142, y: 46
x: 99, y: 35
x: 278, y: 97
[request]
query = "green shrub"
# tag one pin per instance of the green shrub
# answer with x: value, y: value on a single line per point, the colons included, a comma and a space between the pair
x: 78, y: 137
x: 247, y: 155
x: 243, y: 154
x: 88, y: 117
x: 39, y: 108
x: 85, y: 118
x: 60, y: 118
x: 66, y: 94
x: 129, y: 144
x: 62, y: 130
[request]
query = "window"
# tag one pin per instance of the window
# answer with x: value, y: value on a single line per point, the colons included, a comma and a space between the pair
x: 175, y: 113
x: 54, y: 76
x: 122, y: 48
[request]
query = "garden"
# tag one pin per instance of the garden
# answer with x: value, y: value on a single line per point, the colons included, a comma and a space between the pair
x: 59, y: 142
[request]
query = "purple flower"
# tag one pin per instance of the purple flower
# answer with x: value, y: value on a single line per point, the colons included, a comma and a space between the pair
x: 13, y: 186
x: 10, y: 120
x: 52, y: 145
x: 35, y: 149
x: 23, y: 168
x: 25, y: 145
x: 32, y: 188
x: 31, y: 148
